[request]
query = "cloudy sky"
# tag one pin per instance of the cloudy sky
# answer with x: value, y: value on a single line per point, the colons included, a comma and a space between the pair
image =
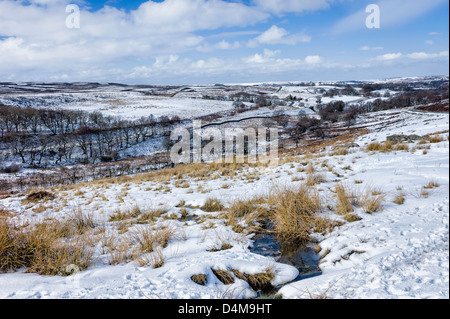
x: 221, y: 41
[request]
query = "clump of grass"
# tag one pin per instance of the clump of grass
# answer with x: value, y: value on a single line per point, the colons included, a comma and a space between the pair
x: 241, y: 208
x: 400, y: 198
x: 155, y: 260
x: 352, y: 252
x: 149, y: 239
x: 245, y: 214
x: 200, y: 279
x: 39, y: 196
x: 145, y: 238
x: 39, y: 250
x: 380, y: 147
x: 401, y: 147
x: 225, y: 246
x: 317, y: 249
x: 4, y: 213
x: 351, y: 218
x: 184, y: 214
x: 181, y: 184
x: 119, y: 215
x: 151, y: 215
x: 344, y: 200
x: 324, y: 225
x: 372, y: 201
x: 432, y: 184
x: 82, y: 221
x: 436, y: 139
x: 224, y: 276
x: 213, y: 205
x: 181, y: 204
x: 315, y: 179
x: 324, y: 254
x: 424, y: 193
x: 119, y: 253
x: 257, y: 282
x: 294, y: 212
x: 340, y: 151
x: 310, y: 169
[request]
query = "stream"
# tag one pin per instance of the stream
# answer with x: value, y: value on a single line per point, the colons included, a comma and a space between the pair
x: 304, y: 258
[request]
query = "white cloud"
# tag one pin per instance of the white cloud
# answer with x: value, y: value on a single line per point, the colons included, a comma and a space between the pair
x: 267, y: 56
x: 284, y: 6
x: 272, y: 36
x: 404, y: 58
x: 224, y: 45
x: 276, y: 35
x: 313, y: 59
x: 270, y: 60
x: 191, y: 15
x: 389, y: 56
x: 423, y: 55
x: 367, y: 48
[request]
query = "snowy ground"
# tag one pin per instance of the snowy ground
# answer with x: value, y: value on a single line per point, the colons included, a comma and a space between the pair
x: 405, y: 247
x: 399, y: 252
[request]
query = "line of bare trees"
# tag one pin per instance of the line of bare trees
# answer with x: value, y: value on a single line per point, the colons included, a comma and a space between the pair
x: 338, y: 111
x: 85, y: 173
x: 46, y: 137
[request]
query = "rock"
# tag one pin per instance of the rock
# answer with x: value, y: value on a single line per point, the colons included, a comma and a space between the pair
x: 351, y: 145
x: 400, y: 138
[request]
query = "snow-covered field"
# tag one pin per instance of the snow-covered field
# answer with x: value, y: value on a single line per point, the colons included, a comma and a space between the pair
x: 126, y: 105
x: 400, y: 251
x: 185, y: 102
x: 405, y: 247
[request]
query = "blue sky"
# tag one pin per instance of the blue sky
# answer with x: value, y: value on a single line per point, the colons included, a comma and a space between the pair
x: 219, y: 41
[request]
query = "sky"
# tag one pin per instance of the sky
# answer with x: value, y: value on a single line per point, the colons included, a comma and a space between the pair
x: 221, y: 41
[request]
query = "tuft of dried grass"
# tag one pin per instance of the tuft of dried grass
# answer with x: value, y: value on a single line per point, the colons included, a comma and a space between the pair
x: 294, y: 212
x: 435, y: 139
x: 400, y: 198
x: 82, y: 221
x: 315, y: 179
x: 39, y: 196
x: 224, y: 276
x: 344, y: 200
x: 40, y: 250
x: 148, y: 240
x: 241, y: 208
x: 151, y: 215
x: 155, y: 259
x: 380, y: 147
x: 213, y: 205
x: 431, y: 185
x: 258, y: 282
x: 372, y: 201
x: 200, y: 279
x: 4, y: 213
x: 351, y: 218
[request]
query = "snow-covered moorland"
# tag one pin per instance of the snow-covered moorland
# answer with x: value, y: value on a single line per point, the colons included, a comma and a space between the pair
x: 173, y: 234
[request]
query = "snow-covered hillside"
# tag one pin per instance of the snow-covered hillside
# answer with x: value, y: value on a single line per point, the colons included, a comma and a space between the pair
x: 398, y: 250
